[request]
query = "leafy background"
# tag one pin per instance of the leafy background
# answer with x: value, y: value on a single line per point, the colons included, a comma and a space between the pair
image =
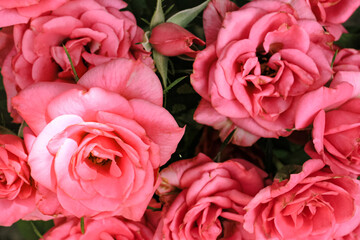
x: 181, y: 101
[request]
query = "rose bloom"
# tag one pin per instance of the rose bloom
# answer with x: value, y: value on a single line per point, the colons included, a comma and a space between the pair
x: 313, y: 204
x: 205, y: 200
x: 264, y: 57
x: 108, y: 228
x: 98, y: 146
x: 347, y: 59
x: 17, y: 12
x: 93, y: 32
x: 17, y: 195
x: 330, y: 13
x: 333, y: 11
x: 336, y: 136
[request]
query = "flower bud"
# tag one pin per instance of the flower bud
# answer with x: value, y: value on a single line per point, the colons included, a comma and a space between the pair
x: 170, y: 39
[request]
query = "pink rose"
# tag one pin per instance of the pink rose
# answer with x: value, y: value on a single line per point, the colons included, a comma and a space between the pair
x: 17, y: 196
x: 347, y: 59
x: 265, y: 57
x: 205, y: 200
x: 336, y: 138
x: 93, y: 32
x: 333, y: 11
x: 98, y: 146
x: 313, y: 204
x: 17, y: 12
x: 170, y: 39
x: 343, y: 86
x: 354, y: 235
x: 108, y: 228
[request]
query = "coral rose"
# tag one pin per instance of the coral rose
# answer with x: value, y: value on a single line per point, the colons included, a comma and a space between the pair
x: 205, y: 200
x: 98, y: 146
x: 108, y: 228
x: 266, y: 55
x: 93, y: 32
x: 17, y: 195
x: 336, y: 135
x: 313, y: 204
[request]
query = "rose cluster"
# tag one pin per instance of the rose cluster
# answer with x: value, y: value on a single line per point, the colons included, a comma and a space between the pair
x: 95, y: 151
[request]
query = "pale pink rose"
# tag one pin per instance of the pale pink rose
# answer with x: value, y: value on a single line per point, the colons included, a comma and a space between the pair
x: 336, y: 136
x: 265, y: 57
x: 98, y: 146
x: 205, y: 200
x: 107, y: 228
x: 170, y: 39
x: 314, y: 204
x: 17, y: 194
x: 20, y: 11
x: 93, y: 32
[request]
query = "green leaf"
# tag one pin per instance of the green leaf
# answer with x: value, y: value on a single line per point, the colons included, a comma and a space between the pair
x: 153, y: 209
x: 285, y: 172
x: 349, y: 40
x: 184, y: 17
x: 334, y: 57
x: 72, y: 65
x: 161, y: 63
x: 173, y: 84
x: 158, y: 16
x: 82, y: 225
x: 33, y: 230
x: 4, y: 130
x: 223, y: 145
x: 146, y: 44
x: 36, y: 231
x: 21, y: 129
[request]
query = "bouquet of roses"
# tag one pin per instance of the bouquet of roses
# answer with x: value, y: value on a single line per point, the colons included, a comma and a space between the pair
x: 124, y: 121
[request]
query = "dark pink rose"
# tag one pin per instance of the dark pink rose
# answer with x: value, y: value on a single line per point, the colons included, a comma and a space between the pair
x: 20, y: 11
x: 336, y: 136
x: 108, y: 228
x: 314, y: 204
x: 17, y: 195
x: 6, y: 43
x: 93, y: 32
x: 98, y: 146
x: 170, y: 39
x: 267, y: 54
x: 205, y: 200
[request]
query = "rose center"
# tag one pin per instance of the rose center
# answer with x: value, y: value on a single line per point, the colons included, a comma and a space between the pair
x: 263, y: 60
x: 2, y: 178
x: 97, y: 160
